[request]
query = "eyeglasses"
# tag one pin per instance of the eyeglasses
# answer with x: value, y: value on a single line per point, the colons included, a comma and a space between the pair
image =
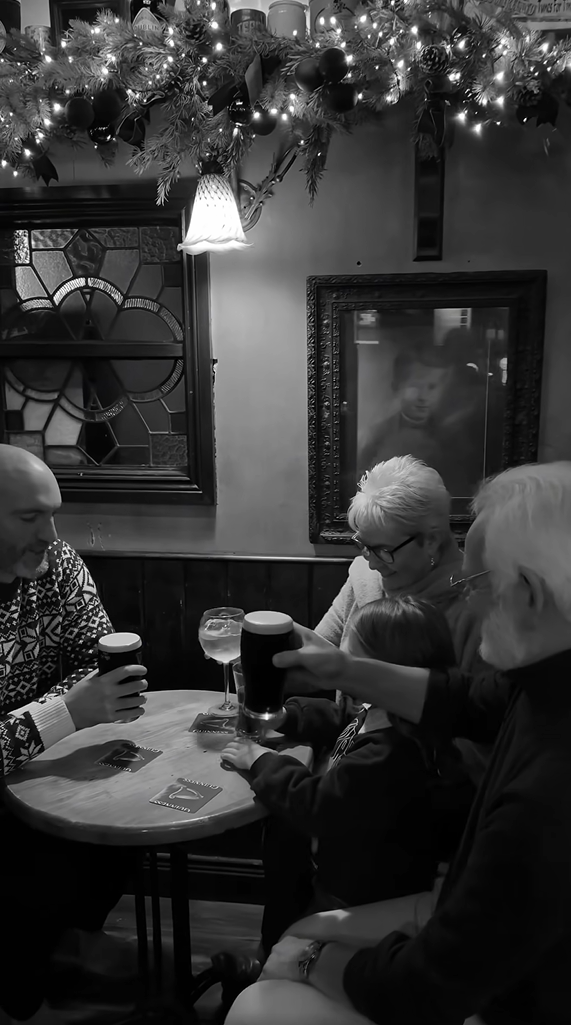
x: 384, y: 554
x: 464, y: 584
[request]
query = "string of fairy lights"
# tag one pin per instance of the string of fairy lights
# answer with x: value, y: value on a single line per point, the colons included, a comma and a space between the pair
x: 218, y: 93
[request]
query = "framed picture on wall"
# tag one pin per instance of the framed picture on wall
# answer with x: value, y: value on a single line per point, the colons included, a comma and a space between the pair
x: 446, y: 367
x: 63, y: 12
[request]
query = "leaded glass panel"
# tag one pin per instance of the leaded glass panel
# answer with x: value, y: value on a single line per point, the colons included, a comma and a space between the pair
x: 137, y: 268
x: 103, y: 285
x: 96, y: 411
x: 102, y: 373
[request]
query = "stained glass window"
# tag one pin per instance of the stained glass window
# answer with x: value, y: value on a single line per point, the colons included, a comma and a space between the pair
x: 92, y: 348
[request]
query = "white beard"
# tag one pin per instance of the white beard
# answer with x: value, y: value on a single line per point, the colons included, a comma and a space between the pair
x: 502, y: 644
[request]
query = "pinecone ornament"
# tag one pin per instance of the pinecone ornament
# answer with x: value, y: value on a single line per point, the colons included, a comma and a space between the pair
x: 433, y: 59
x: 198, y: 34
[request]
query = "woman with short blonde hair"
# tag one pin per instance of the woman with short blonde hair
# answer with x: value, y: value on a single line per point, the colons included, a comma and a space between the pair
x: 401, y: 519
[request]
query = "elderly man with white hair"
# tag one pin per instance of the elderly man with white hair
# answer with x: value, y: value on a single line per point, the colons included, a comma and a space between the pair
x: 498, y: 942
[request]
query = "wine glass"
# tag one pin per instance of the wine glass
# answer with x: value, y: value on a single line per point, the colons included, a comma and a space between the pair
x: 219, y: 635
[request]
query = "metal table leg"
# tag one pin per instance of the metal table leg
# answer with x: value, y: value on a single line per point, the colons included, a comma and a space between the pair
x: 187, y: 987
x: 141, y: 922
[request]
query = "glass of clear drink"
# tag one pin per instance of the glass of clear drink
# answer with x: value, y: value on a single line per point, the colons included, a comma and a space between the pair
x: 219, y: 635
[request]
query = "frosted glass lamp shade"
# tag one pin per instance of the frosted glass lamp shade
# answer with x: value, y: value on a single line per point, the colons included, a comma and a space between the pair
x: 215, y: 225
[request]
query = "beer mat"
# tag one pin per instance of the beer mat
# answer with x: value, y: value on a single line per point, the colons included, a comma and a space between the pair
x: 213, y: 724
x: 186, y: 795
x: 129, y: 757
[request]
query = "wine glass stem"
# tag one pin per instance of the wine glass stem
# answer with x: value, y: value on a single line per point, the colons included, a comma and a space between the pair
x: 226, y: 666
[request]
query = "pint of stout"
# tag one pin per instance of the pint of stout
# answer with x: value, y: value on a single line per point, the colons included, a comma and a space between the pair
x: 114, y: 650
x: 264, y: 634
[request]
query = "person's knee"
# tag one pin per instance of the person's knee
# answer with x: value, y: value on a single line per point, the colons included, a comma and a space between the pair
x: 249, y: 1008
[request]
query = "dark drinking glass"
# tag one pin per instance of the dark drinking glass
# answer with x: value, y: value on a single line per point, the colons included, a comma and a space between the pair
x: 264, y: 634
x: 114, y: 650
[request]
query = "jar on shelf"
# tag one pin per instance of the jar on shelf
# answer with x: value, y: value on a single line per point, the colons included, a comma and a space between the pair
x: 41, y: 35
x: 287, y: 18
x: 246, y: 21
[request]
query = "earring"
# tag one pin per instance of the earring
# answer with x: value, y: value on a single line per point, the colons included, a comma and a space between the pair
x: 432, y: 562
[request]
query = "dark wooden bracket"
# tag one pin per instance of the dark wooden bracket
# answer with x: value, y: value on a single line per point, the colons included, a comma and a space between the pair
x: 428, y: 205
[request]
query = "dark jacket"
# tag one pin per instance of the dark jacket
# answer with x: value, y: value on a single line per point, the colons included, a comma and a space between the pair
x: 499, y: 942
x: 371, y: 812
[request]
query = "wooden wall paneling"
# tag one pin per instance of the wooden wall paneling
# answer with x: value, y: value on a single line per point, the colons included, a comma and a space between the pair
x: 164, y: 623
x: 249, y: 584
x: 289, y: 590
x: 205, y: 587
x: 326, y: 580
x: 120, y: 586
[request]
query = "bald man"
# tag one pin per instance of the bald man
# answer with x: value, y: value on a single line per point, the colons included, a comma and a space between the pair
x: 50, y: 621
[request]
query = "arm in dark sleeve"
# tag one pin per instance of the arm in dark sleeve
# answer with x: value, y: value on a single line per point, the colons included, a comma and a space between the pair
x: 315, y: 721
x: 461, y: 705
x: 328, y: 805
x: 484, y: 938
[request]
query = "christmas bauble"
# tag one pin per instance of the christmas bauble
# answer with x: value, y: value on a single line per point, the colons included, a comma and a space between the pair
x: 79, y: 113
x: 333, y: 65
x: 101, y: 135
x: 341, y: 97
x: 264, y: 122
x: 433, y: 60
x: 462, y: 41
x: 240, y: 111
x: 307, y: 74
x: 107, y: 105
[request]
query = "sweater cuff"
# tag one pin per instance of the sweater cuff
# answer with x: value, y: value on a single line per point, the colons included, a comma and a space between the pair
x: 258, y: 766
x: 52, y: 720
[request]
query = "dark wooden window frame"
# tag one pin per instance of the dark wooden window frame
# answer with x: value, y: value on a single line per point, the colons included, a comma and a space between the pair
x: 90, y: 206
x: 523, y: 292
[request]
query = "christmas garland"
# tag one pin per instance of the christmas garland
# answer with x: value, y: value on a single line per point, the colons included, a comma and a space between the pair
x: 218, y: 92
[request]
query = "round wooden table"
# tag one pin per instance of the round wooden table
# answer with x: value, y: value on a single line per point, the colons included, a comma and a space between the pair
x: 65, y: 792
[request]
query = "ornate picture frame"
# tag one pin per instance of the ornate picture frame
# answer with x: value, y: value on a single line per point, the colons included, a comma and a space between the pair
x: 448, y: 365
x: 63, y: 12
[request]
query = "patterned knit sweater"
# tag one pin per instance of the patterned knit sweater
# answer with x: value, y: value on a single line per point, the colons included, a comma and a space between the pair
x: 49, y: 628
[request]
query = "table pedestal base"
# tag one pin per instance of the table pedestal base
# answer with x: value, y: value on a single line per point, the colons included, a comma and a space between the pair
x: 188, y: 988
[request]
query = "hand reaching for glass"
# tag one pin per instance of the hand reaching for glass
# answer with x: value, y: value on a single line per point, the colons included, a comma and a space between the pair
x: 241, y: 754
x: 314, y: 663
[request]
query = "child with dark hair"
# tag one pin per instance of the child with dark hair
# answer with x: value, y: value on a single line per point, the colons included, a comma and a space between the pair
x: 375, y: 816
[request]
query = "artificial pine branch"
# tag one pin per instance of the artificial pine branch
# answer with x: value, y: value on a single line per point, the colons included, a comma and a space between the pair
x: 183, y: 66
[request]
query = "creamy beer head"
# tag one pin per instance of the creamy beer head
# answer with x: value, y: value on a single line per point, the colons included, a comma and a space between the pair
x: 264, y: 634
x: 268, y: 622
x: 114, y: 650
